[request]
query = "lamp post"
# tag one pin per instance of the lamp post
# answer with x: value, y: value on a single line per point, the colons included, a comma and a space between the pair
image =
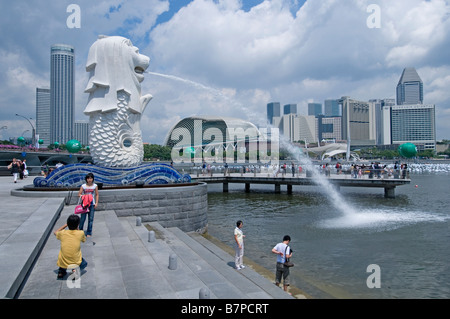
x: 33, y: 132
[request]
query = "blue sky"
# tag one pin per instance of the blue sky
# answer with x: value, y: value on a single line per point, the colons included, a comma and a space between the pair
x: 244, y: 54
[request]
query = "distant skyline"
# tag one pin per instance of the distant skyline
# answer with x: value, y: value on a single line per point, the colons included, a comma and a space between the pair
x: 243, y: 54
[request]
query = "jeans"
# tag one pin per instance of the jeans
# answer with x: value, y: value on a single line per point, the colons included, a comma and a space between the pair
x: 90, y: 215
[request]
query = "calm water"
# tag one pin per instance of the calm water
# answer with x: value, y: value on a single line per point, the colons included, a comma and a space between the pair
x: 407, y: 237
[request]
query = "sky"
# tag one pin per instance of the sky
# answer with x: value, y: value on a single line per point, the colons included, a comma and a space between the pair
x: 232, y: 57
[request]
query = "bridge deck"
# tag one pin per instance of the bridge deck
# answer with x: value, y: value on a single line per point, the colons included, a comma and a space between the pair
x: 341, y: 180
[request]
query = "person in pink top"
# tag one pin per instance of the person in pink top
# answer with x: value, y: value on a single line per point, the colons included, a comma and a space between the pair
x: 88, y: 191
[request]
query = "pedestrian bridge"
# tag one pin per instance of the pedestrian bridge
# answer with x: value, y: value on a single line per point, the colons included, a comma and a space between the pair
x: 337, y: 180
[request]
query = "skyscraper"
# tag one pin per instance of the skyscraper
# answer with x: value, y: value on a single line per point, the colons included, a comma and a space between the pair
x: 409, y: 88
x: 414, y: 124
x: 81, y: 132
x: 62, y: 93
x: 273, y: 110
x: 43, y: 115
x: 290, y: 109
x: 332, y: 108
x: 315, y: 109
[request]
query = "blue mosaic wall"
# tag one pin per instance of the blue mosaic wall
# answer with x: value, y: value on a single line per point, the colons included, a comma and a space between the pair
x: 72, y: 175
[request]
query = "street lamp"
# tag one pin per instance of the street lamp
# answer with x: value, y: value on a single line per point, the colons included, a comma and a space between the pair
x: 33, y: 132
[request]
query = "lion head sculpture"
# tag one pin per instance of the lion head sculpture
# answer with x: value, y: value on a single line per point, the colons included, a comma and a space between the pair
x: 115, y: 104
x: 114, y: 64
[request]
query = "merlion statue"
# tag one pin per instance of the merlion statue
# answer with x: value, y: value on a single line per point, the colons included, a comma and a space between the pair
x: 115, y: 104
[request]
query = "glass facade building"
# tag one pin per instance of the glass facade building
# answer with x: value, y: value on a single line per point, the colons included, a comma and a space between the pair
x: 315, y: 109
x: 62, y: 93
x: 273, y: 110
x: 332, y: 108
x: 290, y: 109
x: 414, y: 124
x: 43, y: 115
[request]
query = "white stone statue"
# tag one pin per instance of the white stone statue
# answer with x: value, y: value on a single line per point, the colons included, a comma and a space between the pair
x: 115, y: 104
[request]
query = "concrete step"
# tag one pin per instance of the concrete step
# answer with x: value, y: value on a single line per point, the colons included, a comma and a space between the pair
x: 257, y: 279
x: 171, y: 284
x: 224, y: 267
x: 185, y: 279
x: 213, y: 266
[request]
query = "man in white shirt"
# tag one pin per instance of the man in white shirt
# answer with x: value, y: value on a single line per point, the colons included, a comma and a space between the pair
x: 283, y: 251
x: 239, y: 245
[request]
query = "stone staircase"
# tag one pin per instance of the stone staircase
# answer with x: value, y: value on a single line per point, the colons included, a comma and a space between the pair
x: 123, y: 264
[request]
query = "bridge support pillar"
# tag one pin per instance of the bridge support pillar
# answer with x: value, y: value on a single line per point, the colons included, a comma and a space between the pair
x: 277, y: 188
x: 289, y: 188
x: 225, y: 187
x: 389, y: 192
x: 247, y: 187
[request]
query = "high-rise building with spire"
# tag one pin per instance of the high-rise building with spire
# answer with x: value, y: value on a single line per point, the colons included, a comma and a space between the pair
x: 409, y: 88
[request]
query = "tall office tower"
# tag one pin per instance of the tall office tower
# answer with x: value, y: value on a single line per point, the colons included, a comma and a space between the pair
x: 273, y: 110
x: 332, y: 108
x: 378, y: 106
x: 414, y: 124
x: 290, y: 109
x: 315, y: 109
x: 81, y: 132
x: 62, y: 93
x: 409, y: 88
x: 43, y: 115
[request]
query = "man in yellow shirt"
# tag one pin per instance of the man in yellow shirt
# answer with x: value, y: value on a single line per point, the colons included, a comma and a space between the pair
x: 70, y: 252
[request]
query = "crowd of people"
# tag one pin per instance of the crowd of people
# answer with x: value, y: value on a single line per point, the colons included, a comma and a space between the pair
x: 377, y: 170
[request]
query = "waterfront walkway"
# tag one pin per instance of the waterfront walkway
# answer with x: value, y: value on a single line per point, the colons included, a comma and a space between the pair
x: 122, y: 262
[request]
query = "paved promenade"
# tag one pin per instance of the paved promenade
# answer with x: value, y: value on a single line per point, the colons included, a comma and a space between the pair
x: 122, y: 262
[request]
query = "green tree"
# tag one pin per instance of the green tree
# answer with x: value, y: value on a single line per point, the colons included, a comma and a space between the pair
x: 155, y: 151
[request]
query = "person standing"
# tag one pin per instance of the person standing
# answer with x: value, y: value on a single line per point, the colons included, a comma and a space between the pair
x: 283, y: 251
x: 15, y: 169
x: 89, y: 194
x: 239, y: 245
x: 22, y: 169
x: 25, y: 168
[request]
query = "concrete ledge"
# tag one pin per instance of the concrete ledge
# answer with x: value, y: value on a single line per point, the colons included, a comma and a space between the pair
x: 20, y: 250
x: 185, y: 207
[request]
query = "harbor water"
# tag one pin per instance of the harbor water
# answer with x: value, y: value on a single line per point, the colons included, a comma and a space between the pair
x: 406, y: 239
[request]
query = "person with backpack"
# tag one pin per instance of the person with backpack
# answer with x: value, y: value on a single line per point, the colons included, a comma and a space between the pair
x: 283, y: 252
